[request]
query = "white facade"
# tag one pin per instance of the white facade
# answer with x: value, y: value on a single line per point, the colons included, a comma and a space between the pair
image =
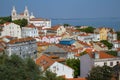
x: 11, y: 29
x: 50, y: 39
x: 41, y: 22
x: 85, y: 37
x: 61, y: 70
x: 29, y: 32
x: 109, y: 62
x: 24, y: 15
x: 87, y: 63
x: 61, y: 30
x: 116, y: 44
x: 57, y: 30
x: 23, y: 47
x: 96, y: 37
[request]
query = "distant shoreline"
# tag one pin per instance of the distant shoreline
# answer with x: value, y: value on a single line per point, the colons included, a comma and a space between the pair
x: 112, y: 22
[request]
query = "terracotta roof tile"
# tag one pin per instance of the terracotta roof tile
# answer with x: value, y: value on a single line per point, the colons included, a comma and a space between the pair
x: 102, y: 55
x: 21, y: 40
x: 30, y: 26
x: 1, y: 50
x: 84, y: 34
x: 84, y: 43
x: 118, y: 49
x: 53, y: 27
x: 1, y: 25
x: 21, y: 14
x: 44, y: 61
x: 7, y: 23
x: 43, y: 43
x: 77, y: 55
x: 77, y: 79
x: 38, y: 19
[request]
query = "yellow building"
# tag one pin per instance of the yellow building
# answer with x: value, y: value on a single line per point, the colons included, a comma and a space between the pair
x: 103, y: 33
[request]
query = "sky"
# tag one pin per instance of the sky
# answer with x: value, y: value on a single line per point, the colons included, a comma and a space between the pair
x: 63, y: 8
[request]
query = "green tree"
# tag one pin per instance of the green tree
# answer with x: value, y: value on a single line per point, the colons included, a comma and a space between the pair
x: 5, y: 19
x: 114, y: 53
x: 89, y: 29
x: 118, y: 35
x: 83, y: 53
x: 74, y: 64
x: 21, y: 22
x: 15, y: 68
x: 100, y: 73
x: 66, y: 25
x: 108, y: 44
x: 51, y: 76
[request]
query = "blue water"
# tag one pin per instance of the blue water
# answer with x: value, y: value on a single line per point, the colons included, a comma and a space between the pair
x: 95, y: 22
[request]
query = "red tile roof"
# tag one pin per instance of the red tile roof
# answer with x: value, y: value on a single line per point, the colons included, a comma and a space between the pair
x: 38, y: 19
x: 102, y: 55
x: 7, y: 23
x: 30, y: 26
x: 77, y: 79
x: 1, y: 25
x: 77, y: 55
x: 1, y: 50
x: 118, y: 49
x: 84, y: 34
x: 43, y: 44
x: 54, y: 27
x: 21, y: 40
x: 84, y: 43
x: 44, y: 61
x: 21, y: 14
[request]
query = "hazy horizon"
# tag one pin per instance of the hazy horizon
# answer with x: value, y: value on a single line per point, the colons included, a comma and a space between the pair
x: 64, y: 8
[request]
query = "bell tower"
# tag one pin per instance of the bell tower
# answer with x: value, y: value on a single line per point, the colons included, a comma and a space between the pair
x: 26, y: 12
x: 13, y: 13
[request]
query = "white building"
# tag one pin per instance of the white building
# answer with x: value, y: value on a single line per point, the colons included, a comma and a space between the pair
x: 61, y: 70
x: 88, y: 61
x: 11, y: 29
x: 50, y: 38
x: 45, y: 23
x: 24, y: 15
x: 116, y: 44
x: 58, y: 30
x: 85, y: 37
x: 23, y: 47
x: 96, y: 37
x: 30, y: 31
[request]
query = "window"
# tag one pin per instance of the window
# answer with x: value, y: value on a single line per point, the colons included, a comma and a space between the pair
x: 111, y: 63
x: 54, y: 69
x: 105, y: 63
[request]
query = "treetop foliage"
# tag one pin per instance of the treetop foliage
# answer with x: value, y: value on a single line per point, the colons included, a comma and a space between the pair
x: 118, y: 35
x: 89, y: 29
x: 21, y: 22
x: 74, y: 64
x: 108, y: 44
x: 100, y: 73
x: 114, y: 53
x: 5, y: 19
x: 16, y: 68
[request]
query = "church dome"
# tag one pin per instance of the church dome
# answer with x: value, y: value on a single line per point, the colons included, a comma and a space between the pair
x: 32, y: 16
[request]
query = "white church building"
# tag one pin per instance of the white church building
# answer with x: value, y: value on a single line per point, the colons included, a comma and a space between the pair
x: 24, y: 15
x: 39, y: 22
